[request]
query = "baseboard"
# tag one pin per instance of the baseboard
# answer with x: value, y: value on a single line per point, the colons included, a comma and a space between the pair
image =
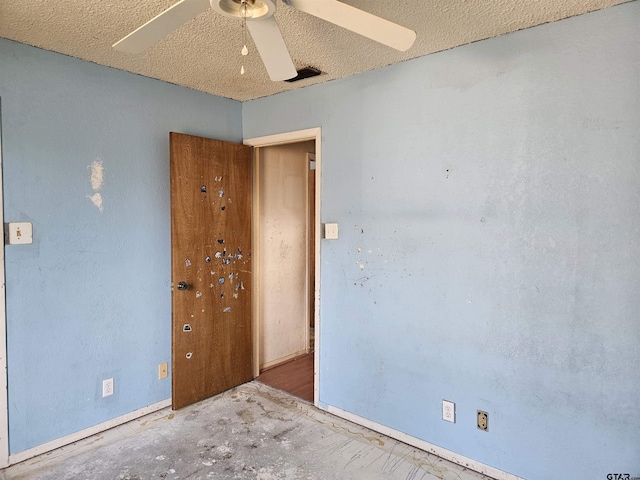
x: 276, y: 363
x: 390, y: 432
x: 82, y: 434
x: 423, y: 445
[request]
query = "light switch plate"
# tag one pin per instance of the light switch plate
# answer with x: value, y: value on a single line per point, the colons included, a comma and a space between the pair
x: 20, y: 233
x: 331, y: 231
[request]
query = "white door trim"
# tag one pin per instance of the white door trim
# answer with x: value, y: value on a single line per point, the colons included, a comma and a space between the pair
x: 279, y: 139
x: 4, y: 406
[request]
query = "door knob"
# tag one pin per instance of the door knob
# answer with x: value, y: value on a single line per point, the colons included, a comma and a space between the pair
x: 183, y: 286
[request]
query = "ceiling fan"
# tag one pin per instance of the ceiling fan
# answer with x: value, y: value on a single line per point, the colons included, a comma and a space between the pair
x: 264, y: 30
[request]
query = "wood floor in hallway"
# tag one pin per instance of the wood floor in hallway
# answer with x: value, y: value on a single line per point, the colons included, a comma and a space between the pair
x: 294, y: 377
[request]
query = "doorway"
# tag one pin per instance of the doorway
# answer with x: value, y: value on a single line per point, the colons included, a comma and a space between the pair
x: 285, y: 253
x: 215, y: 231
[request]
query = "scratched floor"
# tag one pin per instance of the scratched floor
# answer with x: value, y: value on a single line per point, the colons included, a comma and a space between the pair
x: 251, y: 432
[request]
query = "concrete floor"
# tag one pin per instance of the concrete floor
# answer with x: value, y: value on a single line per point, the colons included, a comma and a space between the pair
x: 250, y: 432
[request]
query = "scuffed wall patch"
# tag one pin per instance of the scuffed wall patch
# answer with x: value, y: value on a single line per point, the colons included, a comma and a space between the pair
x: 97, y: 181
x: 97, y: 174
x: 96, y: 198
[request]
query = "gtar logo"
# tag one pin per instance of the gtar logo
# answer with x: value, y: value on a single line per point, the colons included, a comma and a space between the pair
x: 618, y: 476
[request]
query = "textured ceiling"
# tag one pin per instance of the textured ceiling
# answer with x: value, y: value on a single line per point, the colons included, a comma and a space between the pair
x: 204, y: 54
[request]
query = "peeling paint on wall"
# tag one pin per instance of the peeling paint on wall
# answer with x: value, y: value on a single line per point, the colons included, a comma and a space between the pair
x: 96, y: 198
x: 97, y: 174
x: 97, y: 180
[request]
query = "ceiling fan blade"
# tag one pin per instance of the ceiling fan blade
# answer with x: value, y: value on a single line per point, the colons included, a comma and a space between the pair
x: 273, y: 51
x: 358, y: 21
x: 160, y: 26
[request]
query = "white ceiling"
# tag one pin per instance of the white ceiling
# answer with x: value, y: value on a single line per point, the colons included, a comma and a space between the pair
x: 204, y: 54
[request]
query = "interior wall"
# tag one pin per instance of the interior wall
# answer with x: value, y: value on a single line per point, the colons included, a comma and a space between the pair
x: 86, y: 160
x: 489, y: 213
x: 283, y: 228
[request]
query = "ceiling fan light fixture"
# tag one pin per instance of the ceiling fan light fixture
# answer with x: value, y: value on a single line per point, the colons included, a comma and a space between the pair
x: 244, y: 9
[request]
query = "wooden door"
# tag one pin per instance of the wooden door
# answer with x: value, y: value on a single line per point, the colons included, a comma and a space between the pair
x: 211, y: 256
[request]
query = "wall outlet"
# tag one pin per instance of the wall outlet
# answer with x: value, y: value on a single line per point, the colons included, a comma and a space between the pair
x: 107, y: 387
x: 163, y: 370
x: 448, y: 411
x: 483, y: 420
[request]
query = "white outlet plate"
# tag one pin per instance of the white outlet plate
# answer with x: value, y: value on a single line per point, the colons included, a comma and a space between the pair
x: 448, y: 411
x: 107, y: 387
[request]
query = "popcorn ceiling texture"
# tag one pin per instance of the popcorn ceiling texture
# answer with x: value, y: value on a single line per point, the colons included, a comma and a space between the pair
x: 204, y: 54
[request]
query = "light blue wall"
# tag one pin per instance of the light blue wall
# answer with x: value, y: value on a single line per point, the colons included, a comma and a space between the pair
x: 90, y: 299
x: 494, y: 193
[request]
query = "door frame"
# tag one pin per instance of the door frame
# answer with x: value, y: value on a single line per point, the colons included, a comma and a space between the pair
x: 281, y: 139
x: 4, y: 405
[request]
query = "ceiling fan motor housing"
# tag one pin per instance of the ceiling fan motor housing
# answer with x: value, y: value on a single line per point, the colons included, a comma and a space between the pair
x: 233, y: 8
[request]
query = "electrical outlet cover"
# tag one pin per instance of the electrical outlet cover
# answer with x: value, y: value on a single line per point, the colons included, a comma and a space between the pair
x: 483, y: 421
x: 107, y: 387
x: 448, y: 411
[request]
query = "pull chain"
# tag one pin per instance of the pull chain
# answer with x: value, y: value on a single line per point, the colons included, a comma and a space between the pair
x: 245, y: 50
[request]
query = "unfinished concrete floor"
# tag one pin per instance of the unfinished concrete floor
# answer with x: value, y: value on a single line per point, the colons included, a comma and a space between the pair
x: 250, y: 432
